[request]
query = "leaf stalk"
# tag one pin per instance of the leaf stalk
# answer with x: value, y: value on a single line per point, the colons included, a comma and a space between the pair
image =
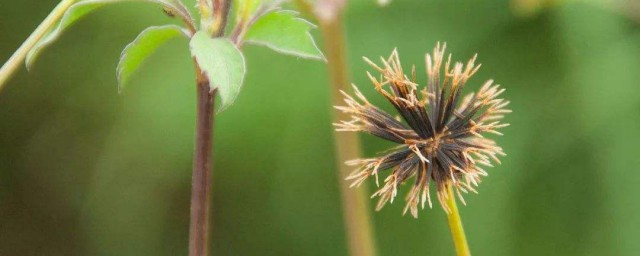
x: 11, y: 66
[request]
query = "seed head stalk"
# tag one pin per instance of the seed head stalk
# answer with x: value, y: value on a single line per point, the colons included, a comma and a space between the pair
x: 455, y: 225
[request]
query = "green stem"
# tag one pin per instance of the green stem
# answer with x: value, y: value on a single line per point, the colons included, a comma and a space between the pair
x: 455, y: 224
x: 355, y: 201
x: 10, y: 67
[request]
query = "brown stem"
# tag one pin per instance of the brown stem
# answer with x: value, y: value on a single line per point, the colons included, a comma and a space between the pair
x: 221, y: 16
x: 202, y: 169
x: 355, y: 201
x: 199, y: 227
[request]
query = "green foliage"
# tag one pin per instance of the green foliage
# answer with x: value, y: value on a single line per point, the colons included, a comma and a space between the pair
x: 284, y: 32
x: 142, y: 47
x: 78, y: 11
x: 219, y: 58
x: 84, y: 171
x: 222, y: 62
x: 245, y: 8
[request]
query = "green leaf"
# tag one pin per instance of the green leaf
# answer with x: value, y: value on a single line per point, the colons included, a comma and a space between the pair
x: 78, y: 11
x: 142, y: 47
x: 284, y: 32
x: 222, y: 62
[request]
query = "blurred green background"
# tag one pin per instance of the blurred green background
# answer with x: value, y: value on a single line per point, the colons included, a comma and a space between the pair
x: 86, y: 171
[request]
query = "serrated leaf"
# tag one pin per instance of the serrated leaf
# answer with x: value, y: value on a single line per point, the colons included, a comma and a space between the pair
x: 142, y: 47
x: 284, y: 32
x: 75, y: 13
x: 222, y: 62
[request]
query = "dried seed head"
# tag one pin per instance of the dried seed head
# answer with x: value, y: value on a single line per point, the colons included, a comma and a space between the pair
x: 441, y: 140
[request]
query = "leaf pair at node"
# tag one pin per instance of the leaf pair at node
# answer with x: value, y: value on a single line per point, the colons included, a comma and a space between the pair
x: 258, y: 22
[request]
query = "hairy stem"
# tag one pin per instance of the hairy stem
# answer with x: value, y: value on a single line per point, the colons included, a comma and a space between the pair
x: 455, y: 224
x: 355, y: 201
x: 10, y: 67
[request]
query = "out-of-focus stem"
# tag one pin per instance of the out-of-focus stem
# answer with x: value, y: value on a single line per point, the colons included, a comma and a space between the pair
x: 355, y: 200
x: 304, y: 7
x: 10, y: 67
x: 455, y: 224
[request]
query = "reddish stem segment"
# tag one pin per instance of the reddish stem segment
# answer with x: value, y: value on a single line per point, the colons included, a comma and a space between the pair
x: 200, y: 227
x: 202, y: 169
